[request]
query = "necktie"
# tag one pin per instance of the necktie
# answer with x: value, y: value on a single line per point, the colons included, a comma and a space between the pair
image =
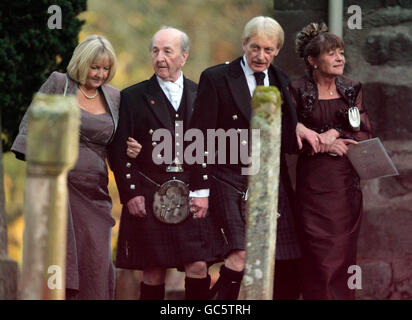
x: 173, y: 90
x: 259, y: 76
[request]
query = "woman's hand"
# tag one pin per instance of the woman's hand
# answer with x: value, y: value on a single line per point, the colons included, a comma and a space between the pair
x: 340, y: 146
x: 133, y: 148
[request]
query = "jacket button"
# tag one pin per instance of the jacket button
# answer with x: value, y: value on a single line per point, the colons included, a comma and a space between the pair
x: 234, y: 117
x: 128, y: 164
x: 151, y: 131
x: 128, y: 176
x: 205, y: 177
x: 154, y: 144
x: 132, y: 186
x: 203, y: 165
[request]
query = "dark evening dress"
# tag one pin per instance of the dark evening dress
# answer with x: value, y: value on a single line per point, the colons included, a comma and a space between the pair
x: 90, y: 269
x: 329, y: 198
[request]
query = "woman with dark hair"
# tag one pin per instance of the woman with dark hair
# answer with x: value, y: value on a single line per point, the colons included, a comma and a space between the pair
x: 327, y: 186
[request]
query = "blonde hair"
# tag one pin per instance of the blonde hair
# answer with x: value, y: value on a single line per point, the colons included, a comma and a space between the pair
x: 264, y: 26
x: 86, y: 52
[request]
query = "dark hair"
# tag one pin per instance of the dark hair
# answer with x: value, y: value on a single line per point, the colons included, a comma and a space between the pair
x: 314, y: 39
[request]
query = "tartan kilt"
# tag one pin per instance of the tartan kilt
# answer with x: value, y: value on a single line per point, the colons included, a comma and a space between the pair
x: 147, y: 242
x: 225, y: 209
x: 225, y: 204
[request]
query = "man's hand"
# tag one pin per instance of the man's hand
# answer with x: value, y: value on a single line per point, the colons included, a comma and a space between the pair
x: 133, y: 148
x: 136, y: 206
x: 312, y: 137
x: 198, y: 206
x: 339, y: 146
x: 328, y: 138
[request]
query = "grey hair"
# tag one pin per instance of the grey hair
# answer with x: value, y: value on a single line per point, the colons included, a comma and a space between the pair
x: 266, y: 26
x: 184, y: 39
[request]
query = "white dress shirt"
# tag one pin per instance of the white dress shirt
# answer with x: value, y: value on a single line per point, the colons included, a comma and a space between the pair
x: 250, y: 78
x: 172, y: 90
x: 174, y: 93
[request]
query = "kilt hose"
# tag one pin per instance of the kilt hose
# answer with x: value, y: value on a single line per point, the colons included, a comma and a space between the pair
x: 225, y: 204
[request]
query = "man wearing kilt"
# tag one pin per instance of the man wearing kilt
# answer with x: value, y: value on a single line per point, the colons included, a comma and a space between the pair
x: 224, y: 102
x: 156, y: 231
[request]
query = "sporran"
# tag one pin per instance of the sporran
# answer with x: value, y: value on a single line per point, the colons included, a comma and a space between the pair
x: 171, y: 202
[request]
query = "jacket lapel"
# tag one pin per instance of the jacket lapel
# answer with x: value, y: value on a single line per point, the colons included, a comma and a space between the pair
x: 276, y: 80
x: 71, y: 86
x: 239, y: 89
x: 190, y: 99
x: 72, y: 90
x: 155, y: 101
x: 113, y: 111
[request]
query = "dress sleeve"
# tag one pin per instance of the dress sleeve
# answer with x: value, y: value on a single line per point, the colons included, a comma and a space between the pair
x: 19, y: 145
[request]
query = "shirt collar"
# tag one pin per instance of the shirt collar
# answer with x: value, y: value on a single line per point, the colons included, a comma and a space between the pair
x: 248, y: 70
x: 178, y: 82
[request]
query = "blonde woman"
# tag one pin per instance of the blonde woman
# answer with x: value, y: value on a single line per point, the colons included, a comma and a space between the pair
x: 89, y: 270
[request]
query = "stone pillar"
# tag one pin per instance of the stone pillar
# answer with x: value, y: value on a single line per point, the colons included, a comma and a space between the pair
x: 8, y: 267
x: 263, y: 195
x: 52, y: 150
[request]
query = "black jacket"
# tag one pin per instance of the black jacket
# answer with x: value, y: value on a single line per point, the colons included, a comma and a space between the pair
x: 223, y: 101
x: 143, y: 110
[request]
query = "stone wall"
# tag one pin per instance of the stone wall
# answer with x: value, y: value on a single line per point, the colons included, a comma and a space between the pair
x: 379, y: 55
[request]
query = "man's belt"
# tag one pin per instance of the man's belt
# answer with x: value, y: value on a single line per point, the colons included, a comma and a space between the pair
x: 174, y: 168
x: 171, y: 200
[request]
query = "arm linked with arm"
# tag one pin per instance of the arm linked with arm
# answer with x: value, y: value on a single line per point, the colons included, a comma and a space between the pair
x: 124, y: 167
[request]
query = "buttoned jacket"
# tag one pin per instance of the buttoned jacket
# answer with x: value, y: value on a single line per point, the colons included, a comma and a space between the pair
x: 144, y: 110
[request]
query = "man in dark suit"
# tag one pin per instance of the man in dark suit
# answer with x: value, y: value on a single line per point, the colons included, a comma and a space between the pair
x: 224, y: 102
x: 147, y: 241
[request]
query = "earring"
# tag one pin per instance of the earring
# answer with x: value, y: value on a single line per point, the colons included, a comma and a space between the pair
x: 315, y: 67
